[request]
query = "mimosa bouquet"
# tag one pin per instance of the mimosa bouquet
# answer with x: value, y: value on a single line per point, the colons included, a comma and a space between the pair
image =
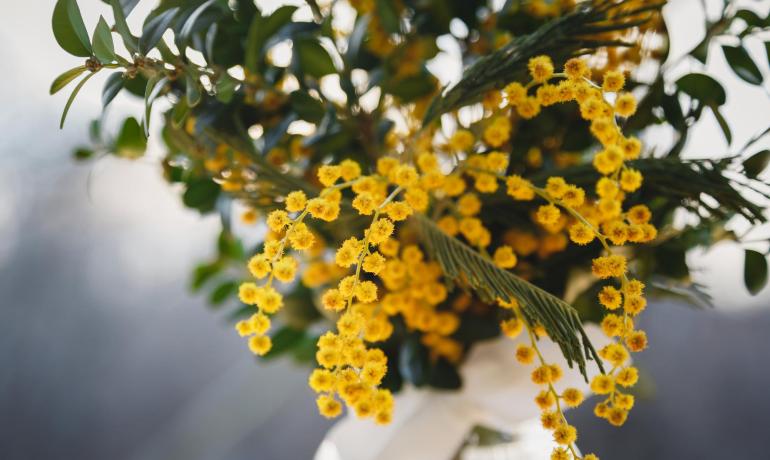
x: 402, y: 214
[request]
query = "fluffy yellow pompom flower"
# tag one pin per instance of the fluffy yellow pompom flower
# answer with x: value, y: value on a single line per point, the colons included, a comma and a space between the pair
x: 547, y: 214
x: 540, y: 68
x: 364, y: 203
x: 296, y: 201
x: 461, y: 140
x: 528, y: 108
x: 556, y: 186
x: 511, y: 327
x: 259, y: 323
x: 602, y: 384
x: 260, y: 344
x: 519, y: 188
x: 625, y: 105
x: 333, y: 300
x: 398, y: 210
x: 565, y: 434
x: 627, y: 377
x: 349, y: 170
x: 576, y: 68
x: 634, y: 304
x: 328, y: 174
x: 515, y: 93
x: 613, y: 81
x: 609, y: 266
x: 374, y: 263
x: 259, y: 266
x: 610, y: 297
x: 525, y: 354
x: 321, y: 380
x: 380, y: 230
x: 630, y: 180
x: 328, y: 406
x: 504, y: 257
x: 277, y: 220
x: 572, y: 397
x: 545, y: 400
x: 581, y: 234
x: 285, y: 269
x: 248, y: 293
x: 269, y: 300
x: 636, y: 341
x: 366, y: 291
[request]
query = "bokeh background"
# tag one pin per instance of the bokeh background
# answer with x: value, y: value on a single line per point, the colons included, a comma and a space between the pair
x: 105, y: 354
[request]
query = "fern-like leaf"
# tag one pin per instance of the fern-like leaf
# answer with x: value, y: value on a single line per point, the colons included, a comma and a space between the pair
x: 560, y: 320
x: 572, y: 34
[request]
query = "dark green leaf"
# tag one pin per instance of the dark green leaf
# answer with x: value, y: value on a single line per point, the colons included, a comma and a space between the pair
x: 444, y: 375
x: 723, y: 125
x: 203, y: 273
x: 742, y: 64
x: 121, y: 26
x: 180, y: 112
x: 754, y: 271
x: 388, y: 16
x: 701, y: 52
x: 412, y: 87
x: 201, y: 194
x: 104, y: 48
x: 184, y: 35
x: 193, y: 90
x: 703, y: 88
x: 69, y: 30
x: 72, y: 98
x: 225, y: 88
x: 154, y: 28
x: 83, y: 153
x: 229, y: 246
x: 413, y: 361
x: 751, y: 18
x: 313, y: 58
x: 307, y: 107
x: 112, y: 87
x: 755, y: 164
x: 151, y: 92
x: 222, y: 292
x: 767, y: 52
x: 260, y: 30
x: 284, y: 340
x: 64, y: 79
x: 131, y: 142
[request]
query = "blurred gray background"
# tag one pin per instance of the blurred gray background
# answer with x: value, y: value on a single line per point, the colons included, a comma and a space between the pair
x: 104, y: 353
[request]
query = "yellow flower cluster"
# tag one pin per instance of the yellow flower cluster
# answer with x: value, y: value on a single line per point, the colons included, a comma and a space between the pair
x: 375, y: 276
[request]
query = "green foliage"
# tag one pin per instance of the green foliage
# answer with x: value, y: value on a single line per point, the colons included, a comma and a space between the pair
x: 104, y: 48
x: 754, y: 271
x: 64, y: 79
x: 69, y: 29
x: 131, y: 142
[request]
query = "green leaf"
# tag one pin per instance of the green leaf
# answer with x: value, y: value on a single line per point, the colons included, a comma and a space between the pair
x: 755, y: 164
x: 413, y: 361
x: 703, y: 88
x: 121, y: 26
x: 754, y: 271
x: 201, y: 194
x: 131, y: 141
x: 388, y: 16
x: 203, y: 273
x: 462, y: 263
x: 104, y: 48
x: 723, y: 125
x: 307, y: 107
x: 154, y: 29
x: 767, y: 52
x: 751, y: 18
x: 82, y: 153
x: 63, y: 80
x: 112, y: 87
x: 284, y: 340
x: 151, y: 92
x: 69, y: 30
x: 222, y: 292
x: 742, y: 64
x: 72, y: 98
x: 179, y: 113
x: 260, y: 30
x: 412, y: 87
x: 192, y: 90
x: 444, y: 375
x: 313, y: 58
x: 183, y: 37
x: 225, y: 88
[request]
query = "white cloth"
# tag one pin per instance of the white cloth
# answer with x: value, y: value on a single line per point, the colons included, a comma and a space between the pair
x: 432, y: 425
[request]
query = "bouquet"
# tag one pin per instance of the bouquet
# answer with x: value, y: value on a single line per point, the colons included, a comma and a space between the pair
x: 401, y: 222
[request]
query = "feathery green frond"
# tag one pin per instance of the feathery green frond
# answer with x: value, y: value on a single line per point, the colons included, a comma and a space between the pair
x: 560, y: 320
x: 561, y: 38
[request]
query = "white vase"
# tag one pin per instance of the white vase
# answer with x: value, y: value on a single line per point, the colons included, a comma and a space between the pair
x: 497, y: 395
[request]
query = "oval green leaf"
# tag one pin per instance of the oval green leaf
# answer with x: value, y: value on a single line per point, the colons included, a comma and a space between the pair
x: 72, y: 98
x: 313, y: 58
x: 754, y: 271
x: 112, y: 87
x: 63, y: 80
x: 69, y: 30
x: 131, y: 142
x: 703, y: 88
x: 742, y: 64
x: 104, y: 48
x: 755, y: 164
x: 154, y: 28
